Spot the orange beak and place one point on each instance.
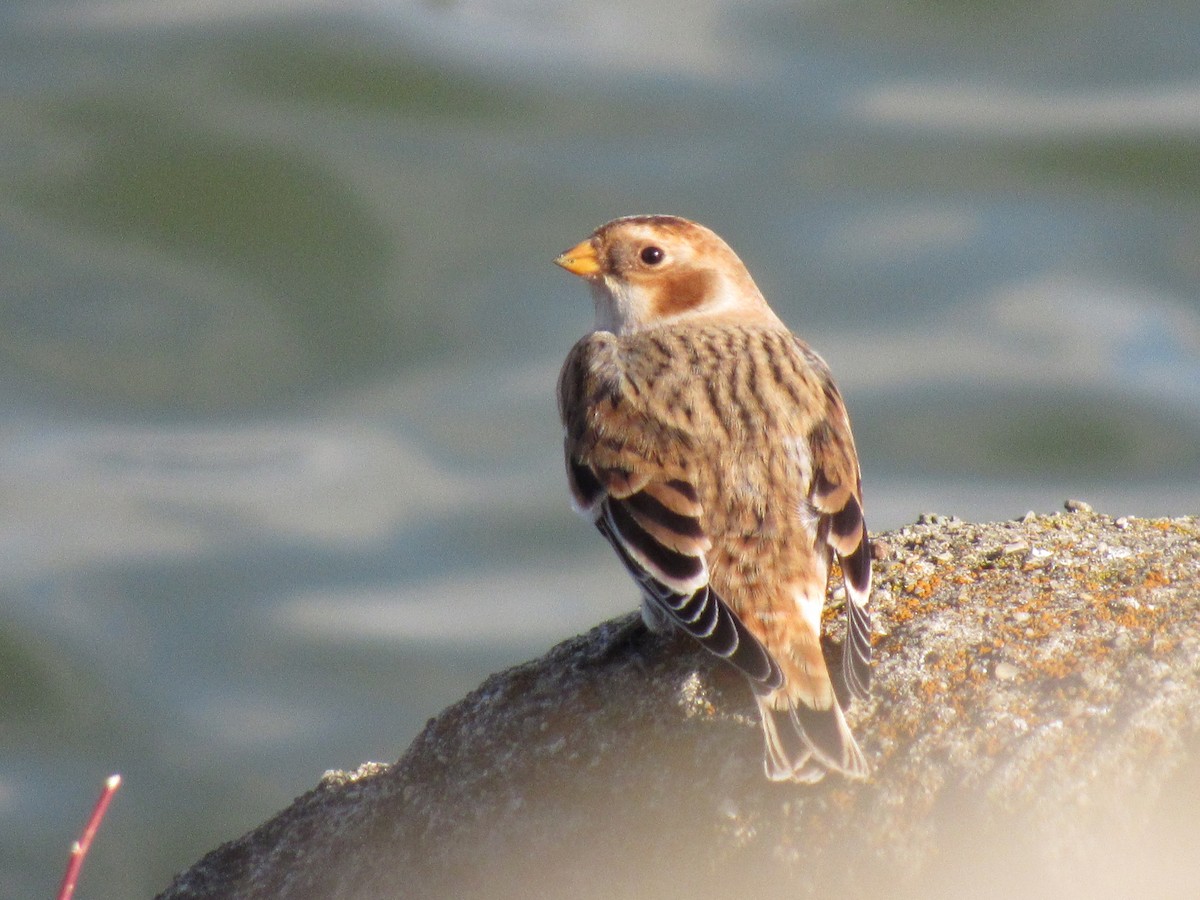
(580, 260)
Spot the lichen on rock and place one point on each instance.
(1032, 730)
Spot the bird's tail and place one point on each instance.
(803, 743)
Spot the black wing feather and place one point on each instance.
(701, 613)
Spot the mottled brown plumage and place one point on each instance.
(713, 450)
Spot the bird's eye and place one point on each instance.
(652, 256)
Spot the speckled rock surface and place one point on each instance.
(1033, 730)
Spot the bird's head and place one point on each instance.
(646, 271)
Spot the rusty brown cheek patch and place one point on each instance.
(679, 293)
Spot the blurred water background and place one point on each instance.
(280, 468)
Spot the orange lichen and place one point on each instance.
(925, 587)
(907, 607)
(1155, 579)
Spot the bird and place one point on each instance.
(712, 449)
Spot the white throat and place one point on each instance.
(615, 305)
(623, 309)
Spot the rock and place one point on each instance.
(1032, 732)
(1005, 671)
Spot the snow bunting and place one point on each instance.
(711, 448)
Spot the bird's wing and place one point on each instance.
(835, 495)
(650, 512)
(660, 547)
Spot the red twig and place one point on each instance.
(80, 848)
